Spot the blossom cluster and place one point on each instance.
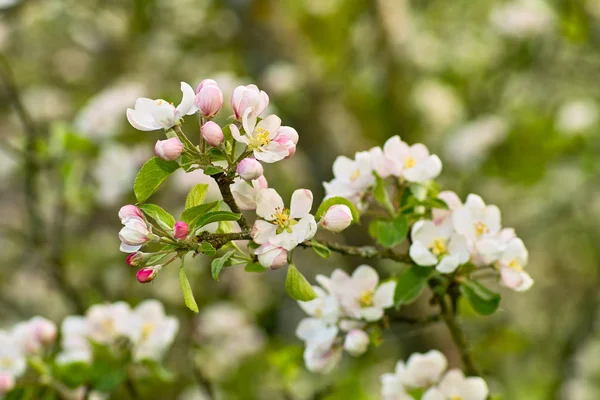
(344, 308)
(427, 373)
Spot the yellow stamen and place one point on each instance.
(147, 330)
(438, 247)
(261, 138)
(283, 220)
(516, 265)
(6, 363)
(355, 175)
(410, 162)
(366, 298)
(455, 398)
(481, 228)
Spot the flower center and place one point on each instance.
(147, 330)
(481, 228)
(6, 363)
(409, 162)
(283, 220)
(515, 265)
(455, 398)
(261, 138)
(438, 247)
(366, 298)
(355, 175)
(108, 325)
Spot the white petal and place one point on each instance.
(421, 255)
(424, 231)
(515, 250)
(235, 132)
(365, 278)
(262, 231)
(271, 124)
(301, 204)
(419, 151)
(141, 121)
(464, 223)
(458, 246)
(490, 249)
(187, 107)
(492, 219)
(125, 248)
(249, 121)
(527, 282)
(268, 202)
(343, 167)
(371, 314)
(448, 264)
(433, 394)
(384, 295)
(271, 153)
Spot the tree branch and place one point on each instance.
(224, 181)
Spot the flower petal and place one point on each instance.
(301, 203)
(268, 202)
(235, 132)
(187, 107)
(448, 264)
(421, 255)
(384, 295)
(262, 231)
(271, 124)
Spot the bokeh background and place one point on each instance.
(506, 92)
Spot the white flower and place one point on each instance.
(12, 360)
(320, 354)
(438, 245)
(74, 341)
(423, 370)
(33, 334)
(454, 385)
(150, 115)
(356, 342)
(352, 178)
(283, 227)
(511, 265)
(392, 384)
(360, 295)
(322, 360)
(261, 137)
(325, 306)
(523, 18)
(414, 163)
(244, 193)
(156, 330)
(577, 116)
(248, 97)
(106, 322)
(480, 224)
(134, 234)
(441, 216)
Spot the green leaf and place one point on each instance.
(186, 289)
(411, 284)
(255, 267)
(483, 300)
(196, 196)
(381, 194)
(207, 248)
(297, 286)
(389, 233)
(151, 176)
(218, 264)
(212, 170)
(192, 214)
(158, 371)
(438, 203)
(321, 250)
(163, 218)
(214, 216)
(337, 200)
(227, 133)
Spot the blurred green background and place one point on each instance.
(505, 93)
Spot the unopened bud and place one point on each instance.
(137, 259)
(180, 230)
(129, 211)
(249, 169)
(168, 149)
(270, 256)
(212, 133)
(209, 98)
(288, 137)
(43, 330)
(7, 382)
(356, 342)
(135, 232)
(337, 218)
(147, 274)
(249, 96)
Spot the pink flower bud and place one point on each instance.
(135, 232)
(288, 137)
(356, 342)
(270, 256)
(168, 149)
(7, 383)
(43, 330)
(138, 258)
(180, 230)
(337, 218)
(129, 211)
(249, 169)
(147, 274)
(212, 133)
(249, 96)
(209, 98)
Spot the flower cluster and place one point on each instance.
(426, 373)
(344, 308)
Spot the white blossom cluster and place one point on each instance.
(427, 372)
(149, 330)
(344, 306)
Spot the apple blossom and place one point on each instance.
(212, 133)
(352, 178)
(7, 382)
(337, 218)
(32, 335)
(150, 115)
(454, 385)
(248, 97)
(423, 370)
(288, 137)
(156, 330)
(270, 256)
(322, 360)
(180, 230)
(392, 384)
(209, 98)
(281, 226)
(320, 354)
(511, 264)
(245, 193)
(169, 149)
(74, 341)
(107, 322)
(249, 169)
(261, 137)
(325, 307)
(138, 258)
(129, 211)
(413, 163)
(146, 274)
(438, 245)
(453, 202)
(356, 342)
(12, 360)
(134, 234)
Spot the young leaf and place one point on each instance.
(151, 176)
(212, 170)
(218, 264)
(207, 248)
(186, 289)
(337, 200)
(214, 216)
(389, 233)
(411, 284)
(381, 195)
(297, 286)
(483, 300)
(321, 250)
(196, 196)
(254, 267)
(163, 218)
(192, 214)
